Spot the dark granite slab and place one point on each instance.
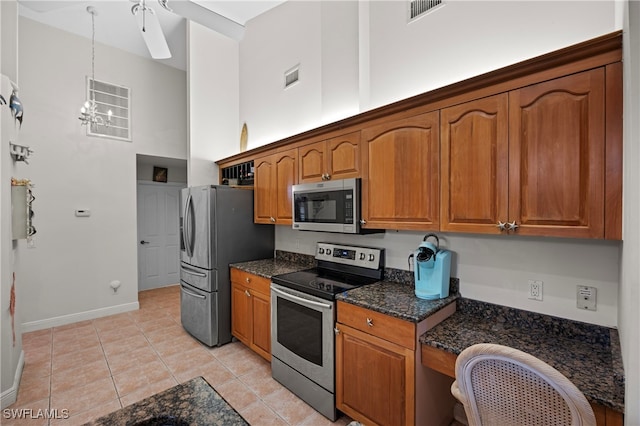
(395, 299)
(589, 355)
(193, 403)
(283, 263)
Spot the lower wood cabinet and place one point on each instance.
(251, 311)
(379, 378)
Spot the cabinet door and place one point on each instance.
(374, 379)
(261, 313)
(263, 188)
(240, 313)
(401, 174)
(343, 156)
(286, 172)
(312, 162)
(475, 155)
(556, 157)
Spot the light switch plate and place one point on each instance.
(586, 298)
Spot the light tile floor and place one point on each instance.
(92, 368)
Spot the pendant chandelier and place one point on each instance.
(89, 114)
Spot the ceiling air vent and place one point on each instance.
(418, 8)
(117, 99)
(292, 76)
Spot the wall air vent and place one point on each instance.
(291, 76)
(117, 99)
(418, 8)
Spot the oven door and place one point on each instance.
(302, 334)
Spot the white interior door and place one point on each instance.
(158, 235)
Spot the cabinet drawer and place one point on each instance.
(375, 323)
(253, 282)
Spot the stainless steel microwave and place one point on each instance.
(329, 206)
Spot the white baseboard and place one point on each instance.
(80, 316)
(10, 396)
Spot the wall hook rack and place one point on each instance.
(20, 152)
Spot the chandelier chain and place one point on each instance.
(89, 114)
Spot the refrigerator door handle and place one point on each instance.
(189, 271)
(187, 228)
(199, 296)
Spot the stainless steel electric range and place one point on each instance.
(303, 315)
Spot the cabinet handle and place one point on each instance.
(336, 330)
(363, 222)
(247, 293)
(328, 176)
(248, 279)
(512, 226)
(369, 322)
(272, 219)
(324, 176)
(501, 225)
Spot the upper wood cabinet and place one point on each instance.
(557, 156)
(400, 176)
(534, 149)
(475, 155)
(274, 175)
(531, 161)
(336, 158)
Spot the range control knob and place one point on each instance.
(362, 256)
(328, 251)
(321, 250)
(371, 257)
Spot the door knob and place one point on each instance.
(144, 242)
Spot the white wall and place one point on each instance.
(629, 319)
(67, 275)
(214, 129)
(274, 42)
(496, 269)
(11, 355)
(466, 38)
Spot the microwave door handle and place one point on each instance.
(300, 299)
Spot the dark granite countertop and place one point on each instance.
(193, 403)
(396, 300)
(589, 355)
(283, 263)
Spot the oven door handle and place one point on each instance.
(301, 299)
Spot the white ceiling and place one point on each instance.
(116, 26)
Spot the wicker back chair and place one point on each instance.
(499, 386)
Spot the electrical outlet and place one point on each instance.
(535, 290)
(586, 298)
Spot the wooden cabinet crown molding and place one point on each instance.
(599, 51)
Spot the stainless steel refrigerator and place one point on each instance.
(216, 224)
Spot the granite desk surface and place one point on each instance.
(193, 403)
(587, 354)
